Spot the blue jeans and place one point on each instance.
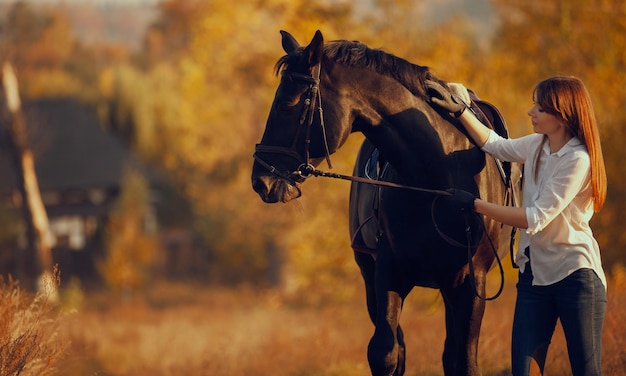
(579, 301)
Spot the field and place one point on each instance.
(193, 330)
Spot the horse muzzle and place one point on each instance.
(272, 184)
(273, 189)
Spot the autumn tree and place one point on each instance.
(34, 263)
(39, 44)
(132, 251)
(170, 35)
(38, 39)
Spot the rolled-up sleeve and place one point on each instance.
(510, 149)
(534, 222)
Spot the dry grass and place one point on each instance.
(186, 330)
(29, 338)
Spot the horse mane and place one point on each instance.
(359, 55)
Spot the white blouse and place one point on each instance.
(559, 206)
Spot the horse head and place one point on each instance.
(296, 138)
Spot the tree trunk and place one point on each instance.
(34, 266)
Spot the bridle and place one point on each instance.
(305, 168)
(311, 103)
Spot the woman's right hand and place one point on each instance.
(443, 98)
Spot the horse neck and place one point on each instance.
(412, 146)
(407, 131)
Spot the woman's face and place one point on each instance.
(543, 122)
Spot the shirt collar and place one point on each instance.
(572, 144)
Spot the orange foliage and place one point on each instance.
(131, 248)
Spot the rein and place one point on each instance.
(306, 170)
(468, 235)
(311, 171)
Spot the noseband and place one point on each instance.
(314, 98)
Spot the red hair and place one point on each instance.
(567, 98)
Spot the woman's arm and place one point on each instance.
(508, 215)
(477, 130)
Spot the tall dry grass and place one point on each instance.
(30, 341)
(191, 330)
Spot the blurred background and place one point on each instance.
(142, 116)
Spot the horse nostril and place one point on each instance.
(265, 187)
(259, 186)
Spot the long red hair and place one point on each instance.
(567, 98)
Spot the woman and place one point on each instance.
(561, 275)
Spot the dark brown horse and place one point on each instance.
(401, 237)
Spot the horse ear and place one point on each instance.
(290, 43)
(315, 49)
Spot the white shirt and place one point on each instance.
(559, 206)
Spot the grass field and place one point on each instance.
(192, 330)
(179, 329)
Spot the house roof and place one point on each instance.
(71, 149)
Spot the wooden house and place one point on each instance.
(80, 168)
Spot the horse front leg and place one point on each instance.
(401, 367)
(386, 352)
(464, 313)
(367, 265)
